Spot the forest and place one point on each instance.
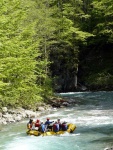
(53, 46)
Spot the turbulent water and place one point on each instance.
(92, 114)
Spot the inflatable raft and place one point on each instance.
(71, 128)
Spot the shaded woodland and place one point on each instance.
(52, 46)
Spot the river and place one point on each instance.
(92, 114)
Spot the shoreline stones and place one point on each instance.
(18, 114)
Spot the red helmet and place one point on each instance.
(48, 119)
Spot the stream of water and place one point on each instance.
(92, 114)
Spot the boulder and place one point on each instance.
(4, 109)
(18, 118)
(40, 108)
(0, 115)
(30, 114)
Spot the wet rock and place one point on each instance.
(65, 104)
(40, 109)
(23, 114)
(3, 121)
(4, 109)
(7, 115)
(56, 105)
(9, 120)
(109, 148)
(30, 113)
(0, 115)
(18, 118)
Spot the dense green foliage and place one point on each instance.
(48, 46)
(97, 64)
(21, 61)
(68, 35)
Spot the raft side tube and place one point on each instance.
(71, 128)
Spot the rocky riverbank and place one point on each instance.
(18, 114)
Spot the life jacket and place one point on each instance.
(29, 126)
(64, 127)
(56, 127)
(37, 124)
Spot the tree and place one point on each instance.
(98, 51)
(68, 37)
(19, 50)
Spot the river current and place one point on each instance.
(92, 114)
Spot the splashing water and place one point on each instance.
(92, 114)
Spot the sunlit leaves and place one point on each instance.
(18, 55)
